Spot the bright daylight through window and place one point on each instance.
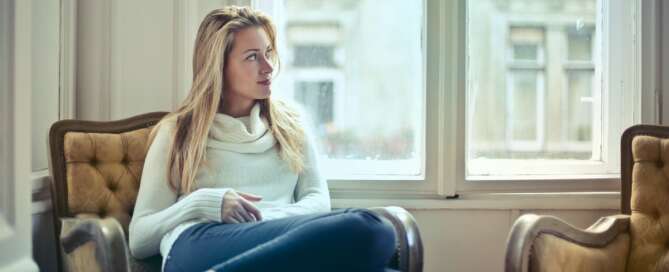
(534, 94)
(358, 71)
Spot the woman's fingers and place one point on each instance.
(238, 216)
(250, 208)
(250, 197)
(231, 220)
(237, 207)
(245, 215)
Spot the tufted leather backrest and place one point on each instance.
(103, 172)
(96, 166)
(645, 192)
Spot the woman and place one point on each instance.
(230, 180)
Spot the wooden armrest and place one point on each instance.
(93, 244)
(410, 246)
(528, 227)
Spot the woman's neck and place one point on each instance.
(236, 108)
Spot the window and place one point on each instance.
(318, 97)
(549, 120)
(484, 96)
(525, 110)
(525, 91)
(361, 84)
(314, 56)
(580, 71)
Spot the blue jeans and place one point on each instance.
(343, 240)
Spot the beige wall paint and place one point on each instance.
(126, 58)
(475, 240)
(134, 56)
(16, 42)
(45, 95)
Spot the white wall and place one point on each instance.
(126, 58)
(15, 85)
(45, 62)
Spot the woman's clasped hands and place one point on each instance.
(238, 207)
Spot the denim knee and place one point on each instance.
(376, 236)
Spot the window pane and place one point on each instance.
(580, 106)
(580, 44)
(361, 84)
(530, 75)
(525, 52)
(317, 97)
(522, 106)
(314, 56)
(527, 42)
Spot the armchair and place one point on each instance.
(635, 240)
(96, 169)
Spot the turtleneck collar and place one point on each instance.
(246, 134)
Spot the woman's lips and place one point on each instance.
(266, 82)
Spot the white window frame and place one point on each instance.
(445, 100)
(617, 86)
(491, 169)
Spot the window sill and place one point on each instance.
(496, 201)
(544, 178)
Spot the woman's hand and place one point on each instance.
(237, 207)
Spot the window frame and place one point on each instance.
(606, 175)
(444, 166)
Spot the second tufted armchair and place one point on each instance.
(636, 240)
(96, 169)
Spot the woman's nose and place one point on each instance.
(266, 66)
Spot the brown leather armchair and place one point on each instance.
(96, 169)
(636, 240)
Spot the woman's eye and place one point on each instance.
(251, 57)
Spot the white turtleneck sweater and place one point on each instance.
(242, 155)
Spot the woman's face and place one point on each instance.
(248, 70)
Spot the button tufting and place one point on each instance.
(656, 214)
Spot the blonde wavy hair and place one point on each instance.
(195, 115)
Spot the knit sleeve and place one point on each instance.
(311, 192)
(157, 210)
